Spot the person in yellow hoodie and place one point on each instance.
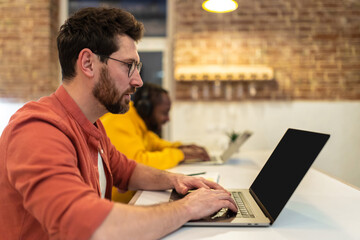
(137, 133)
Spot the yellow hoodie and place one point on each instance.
(129, 134)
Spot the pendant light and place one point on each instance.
(220, 6)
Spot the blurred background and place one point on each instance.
(267, 66)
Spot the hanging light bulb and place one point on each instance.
(220, 6)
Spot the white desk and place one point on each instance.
(320, 208)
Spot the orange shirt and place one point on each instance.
(49, 181)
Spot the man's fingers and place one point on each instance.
(203, 184)
(221, 199)
(182, 189)
(207, 184)
(226, 200)
(214, 185)
(231, 204)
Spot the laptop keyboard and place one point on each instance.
(244, 210)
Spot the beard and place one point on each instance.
(107, 94)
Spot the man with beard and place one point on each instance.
(57, 166)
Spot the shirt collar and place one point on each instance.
(73, 109)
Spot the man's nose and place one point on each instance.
(136, 80)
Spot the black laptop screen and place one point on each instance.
(285, 168)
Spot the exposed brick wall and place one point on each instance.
(313, 45)
(28, 56)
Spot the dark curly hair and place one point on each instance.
(96, 29)
(150, 94)
(145, 100)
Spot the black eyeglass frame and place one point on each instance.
(131, 66)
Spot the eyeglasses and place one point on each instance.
(131, 66)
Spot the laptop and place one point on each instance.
(227, 154)
(262, 203)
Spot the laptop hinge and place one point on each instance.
(262, 207)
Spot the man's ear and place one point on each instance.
(85, 62)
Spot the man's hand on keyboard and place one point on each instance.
(204, 202)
